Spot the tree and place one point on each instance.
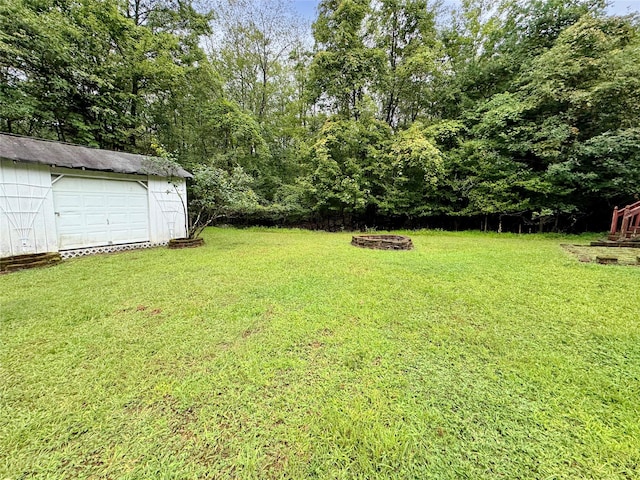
(412, 169)
(344, 168)
(344, 66)
(562, 101)
(397, 112)
(607, 167)
(405, 30)
(254, 42)
(217, 193)
(86, 73)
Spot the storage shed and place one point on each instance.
(58, 197)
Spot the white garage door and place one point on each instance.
(92, 212)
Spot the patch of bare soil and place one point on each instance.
(589, 254)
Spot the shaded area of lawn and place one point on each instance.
(275, 353)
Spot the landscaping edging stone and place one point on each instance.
(29, 260)
(607, 260)
(382, 242)
(633, 243)
(186, 242)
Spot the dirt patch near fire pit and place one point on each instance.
(588, 254)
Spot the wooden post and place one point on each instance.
(614, 222)
(625, 223)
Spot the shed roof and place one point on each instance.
(48, 152)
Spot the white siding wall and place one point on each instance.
(27, 222)
(166, 209)
(27, 215)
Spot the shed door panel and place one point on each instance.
(92, 212)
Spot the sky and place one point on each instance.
(307, 8)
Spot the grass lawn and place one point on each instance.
(291, 354)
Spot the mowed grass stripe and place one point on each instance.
(291, 354)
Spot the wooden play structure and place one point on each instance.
(625, 224)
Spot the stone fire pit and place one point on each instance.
(382, 242)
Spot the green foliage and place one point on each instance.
(84, 72)
(401, 110)
(562, 110)
(235, 133)
(254, 42)
(610, 165)
(411, 174)
(405, 30)
(216, 193)
(344, 166)
(488, 182)
(344, 66)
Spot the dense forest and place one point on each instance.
(510, 115)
